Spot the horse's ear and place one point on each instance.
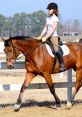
(5, 38)
(80, 40)
(6, 43)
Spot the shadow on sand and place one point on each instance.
(33, 103)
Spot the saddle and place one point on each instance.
(51, 46)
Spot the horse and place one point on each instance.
(38, 61)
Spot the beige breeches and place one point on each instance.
(54, 41)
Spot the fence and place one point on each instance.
(20, 65)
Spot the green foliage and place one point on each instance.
(22, 24)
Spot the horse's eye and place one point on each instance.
(10, 50)
(5, 50)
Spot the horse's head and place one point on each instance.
(11, 53)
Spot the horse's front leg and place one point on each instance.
(28, 79)
(51, 87)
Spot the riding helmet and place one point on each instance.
(52, 6)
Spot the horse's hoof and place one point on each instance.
(69, 105)
(17, 107)
(55, 107)
(58, 105)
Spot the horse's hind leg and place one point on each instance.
(78, 82)
(51, 87)
(77, 86)
(28, 79)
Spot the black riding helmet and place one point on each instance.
(52, 6)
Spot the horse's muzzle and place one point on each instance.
(10, 65)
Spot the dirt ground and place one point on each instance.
(37, 102)
(43, 111)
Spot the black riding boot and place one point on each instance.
(60, 59)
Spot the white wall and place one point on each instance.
(1, 47)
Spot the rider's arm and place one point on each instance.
(44, 30)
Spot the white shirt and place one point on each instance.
(49, 22)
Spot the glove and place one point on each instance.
(44, 39)
(40, 37)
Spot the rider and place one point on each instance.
(50, 31)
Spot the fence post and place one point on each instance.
(69, 89)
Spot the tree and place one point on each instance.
(38, 21)
(2, 21)
(32, 24)
(76, 26)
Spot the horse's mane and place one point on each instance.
(20, 37)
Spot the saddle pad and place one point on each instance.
(64, 48)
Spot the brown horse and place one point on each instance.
(39, 62)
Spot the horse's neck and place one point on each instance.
(27, 45)
(32, 44)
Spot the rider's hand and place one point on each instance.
(39, 37)
(44, 39)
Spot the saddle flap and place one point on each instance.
(63, 49)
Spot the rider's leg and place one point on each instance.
(61, 61)
(54, 41)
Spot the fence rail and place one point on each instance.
(17, 65)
